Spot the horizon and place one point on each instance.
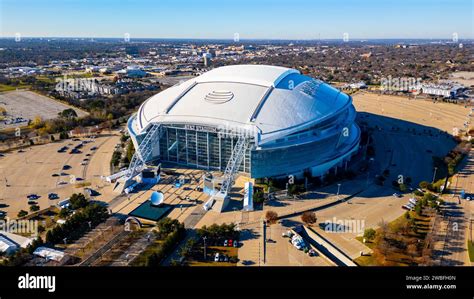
(355, 39)
(210, 19)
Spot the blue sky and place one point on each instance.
(276, 19)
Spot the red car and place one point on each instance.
(229, 243)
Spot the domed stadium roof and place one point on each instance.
(269, 99)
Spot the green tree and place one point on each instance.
(64, 213)
(34, 208)
(68, 113)
(424, 184)
(418, 209)
(369, 233)
(130, 151)
(258, 196)
(22, 213)
(78, 201)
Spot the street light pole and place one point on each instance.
(204, 239)
(368, 171)
(434, 174)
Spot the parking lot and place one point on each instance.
(22, 106)
(42, 169)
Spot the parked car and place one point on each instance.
(397, 195)
(311, 252)
(32, 196)
(53, 196)
(66, 167)
(225, 243)
(229, 243)
(55, 175)
(236, 244)
(216, 257)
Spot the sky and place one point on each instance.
(221, 19)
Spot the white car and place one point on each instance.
(216, 257)
(397, 195)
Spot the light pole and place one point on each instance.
(434, 174)
(204, 240)
(368, 171)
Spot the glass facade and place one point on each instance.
(198, 147)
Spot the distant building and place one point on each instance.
(132, 72)
(207, 59)
(448, 91)
(358, 85)
(10, 243)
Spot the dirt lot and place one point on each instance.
(28, 105)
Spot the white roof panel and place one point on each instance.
(267, 97)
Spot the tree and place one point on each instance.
(152, 260)
(309, 217)
(34, 208)
(37, 122)
(22, 213)
(77, 201)
(258, 196)
(402, 187)
(369, 233)
(418, 209)
(407, 215)
(424, 184)
(130, 151)
(63, 213)
(271, 217)
(41, 229)
(167, 225)
(68, 113)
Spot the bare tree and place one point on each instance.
(271, 217)
(309, 218)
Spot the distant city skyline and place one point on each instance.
(210, 19)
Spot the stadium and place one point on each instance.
(265, 121)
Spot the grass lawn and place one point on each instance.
(140, 260)
(4, 87)
(211, 251)
(399, 259)
(366, 260)
(470, 249)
